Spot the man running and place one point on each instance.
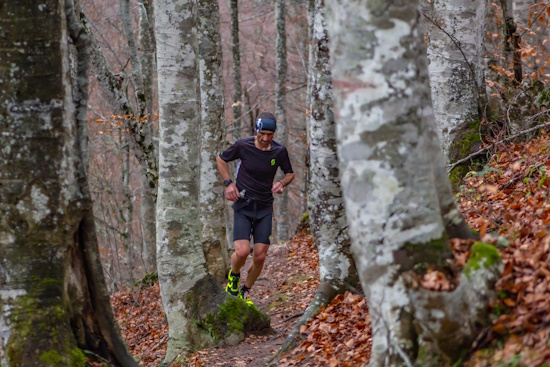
(252, 194)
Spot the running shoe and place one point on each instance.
(245, 295)
(233, 283)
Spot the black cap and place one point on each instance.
(266, 124)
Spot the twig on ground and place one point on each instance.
(450, 167)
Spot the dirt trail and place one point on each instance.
(283, 290)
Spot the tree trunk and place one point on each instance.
(325, 203)
(147, 202)
(211, 197)
(236, 52)
(51, 276)
(126, 212)
(384, 129)
(191, 296)
(455, 50)
(137, 75)
(282, 220)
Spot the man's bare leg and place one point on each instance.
(238, 259)
(258, 258)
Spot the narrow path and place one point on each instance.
(283, 291)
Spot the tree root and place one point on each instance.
(325, 293)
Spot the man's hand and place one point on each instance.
(277, 188)
(231, 192)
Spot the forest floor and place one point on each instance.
(509, 196)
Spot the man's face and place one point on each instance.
(265, 137)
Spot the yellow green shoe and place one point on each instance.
(245, 295)
(233, 283)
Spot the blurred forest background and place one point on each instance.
(115, 177)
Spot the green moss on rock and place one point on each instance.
(481, 254)
(235, 317)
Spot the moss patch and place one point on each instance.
(465, 144)
(481, 254)
(456, 176)
(148, 279)
(41, 334)
(235, 316)
(420, 256)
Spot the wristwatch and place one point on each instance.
(227, 182)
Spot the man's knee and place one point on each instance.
(259, 258)
(260, 253)
(242, 250)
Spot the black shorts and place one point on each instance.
(251, 219)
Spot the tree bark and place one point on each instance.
(385, 128)
(211, 196)
(148, 67)
(456, 53)
(282, 220)
(325, 202)
(237, 83)
(52, 280)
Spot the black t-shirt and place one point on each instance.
(257, 168)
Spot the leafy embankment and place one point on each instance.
(143, 324)
(509, 197)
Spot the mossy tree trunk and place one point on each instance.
(54, 299)
(385, 128)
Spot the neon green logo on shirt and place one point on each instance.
(273, 162)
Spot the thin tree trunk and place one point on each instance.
(282, 220)
(211, 196)
(147, 202)
(236, 52)
(140, 137)
(137, 74)
(456, 53)
(127, 211)
(325, 203)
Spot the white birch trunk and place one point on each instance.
(455, 49)
(384, 128)
(211, 197)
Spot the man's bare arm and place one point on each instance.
(287, 179)
(231, 191)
